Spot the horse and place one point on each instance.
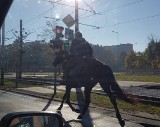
(87, 72)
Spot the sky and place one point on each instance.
(102, 22)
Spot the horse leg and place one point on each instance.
(70, 105)
(65, 97)
(87, 93)
(113, 101)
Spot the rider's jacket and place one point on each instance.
(80, 47)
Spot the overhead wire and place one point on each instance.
(98, 27)
(96, 1)
(38, 16)
(125, 5)
(89, 6)
(134, 20)
(86, 4)
(74, 7)
(29, 20)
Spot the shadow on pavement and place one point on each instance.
(86, 121)
(72, 123)
(8, 90)
(49, 102)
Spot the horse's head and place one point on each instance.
(61, 57)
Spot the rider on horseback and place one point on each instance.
(80, 50)
(80, 47)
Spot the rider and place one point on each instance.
(80, 47)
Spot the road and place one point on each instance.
(12, 102)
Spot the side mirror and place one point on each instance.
(32, 119)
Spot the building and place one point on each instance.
(118, 49)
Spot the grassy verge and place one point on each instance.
(104, 102)
(142, 78)
(11, 84)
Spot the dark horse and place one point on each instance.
(87, 72)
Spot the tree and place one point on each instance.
(12, 55)
(141, 62)
(49, 31)
(153, 53)
(130, 61)
(121, 61)
(37, 56)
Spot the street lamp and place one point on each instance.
(117, 47)
(76, 17)
(57, 17)
(117, 36)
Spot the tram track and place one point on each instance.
(148, 100)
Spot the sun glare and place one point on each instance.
(57, 16)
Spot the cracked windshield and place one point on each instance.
(94, 62)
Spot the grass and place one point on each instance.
(141, 78)
(104, 102)
(11, 84)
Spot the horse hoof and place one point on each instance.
(122, 123)
(80, 117)
(77, 111)
(59, 109)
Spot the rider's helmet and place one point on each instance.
(78, 34)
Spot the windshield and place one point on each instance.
(48, 47)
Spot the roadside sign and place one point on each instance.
(69, 21)
(68, 33)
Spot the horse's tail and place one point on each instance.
(113, 85)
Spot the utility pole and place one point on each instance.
(20, 52)
(76, 17)
(0, 39)
(1, 57)
(2, 53)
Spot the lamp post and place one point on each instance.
(117, 48)
(76, 17)
(117, 36)
(117, 39)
